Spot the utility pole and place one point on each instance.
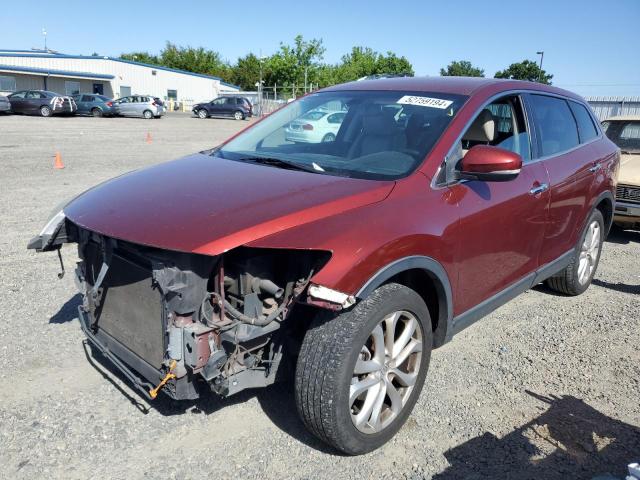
(541, 53)
(44, 34)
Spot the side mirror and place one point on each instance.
(490, 164)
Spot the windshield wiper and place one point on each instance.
(278, 162)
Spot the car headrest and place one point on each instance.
(483, 128)
(379, 124)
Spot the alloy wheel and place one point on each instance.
(238, 116)
(589, 252)
(202, 113)
(385, 372)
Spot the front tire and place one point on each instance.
(360, 374)
(577, 276)
(202, 113)
(45, 111)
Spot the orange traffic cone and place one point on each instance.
(58, 162)
(148, 139)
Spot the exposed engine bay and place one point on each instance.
(180, 322)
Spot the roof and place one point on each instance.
(622, 118)
(46, 54)
(49, 71)
(455, 85)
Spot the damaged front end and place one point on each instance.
(182, 321)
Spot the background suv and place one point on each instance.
(139, 106)
(236, 107)
(41, 102)
(349, 260)
(624, 131)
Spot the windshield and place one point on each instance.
(362, 134)
(625, 134)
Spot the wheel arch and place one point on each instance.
(605, 203)
(429, 279)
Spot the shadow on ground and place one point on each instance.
(623, 237)
(69, 311)
(277, 401)
(571, 440)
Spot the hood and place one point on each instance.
(629, 173)
(208, 205)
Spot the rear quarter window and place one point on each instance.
(555, 125)
(586, 128)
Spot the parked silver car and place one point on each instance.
(5, 105)
(144, 106)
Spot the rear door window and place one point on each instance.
(87, 98)
(586, 128)
(556, 128)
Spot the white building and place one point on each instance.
(113, 77)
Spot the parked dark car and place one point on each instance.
(41, 102)
(349, 260)
(5, 105)
(235, 107)
(94, 104)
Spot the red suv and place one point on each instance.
(438, 200)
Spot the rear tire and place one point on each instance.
(350, 393)
(45, 111)
(148, 114)
(577, 276)
(329, 137)
(238, 115)
(202, 113)
(96, 112)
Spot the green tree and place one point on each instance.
(394, 65)
(197, 60)
(144, 57)
(364, 61)
(461, 68)
(287, 67)
(525, 70)
(246, 72)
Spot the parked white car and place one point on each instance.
(315, 126)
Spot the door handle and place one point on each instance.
(543, 187)
(595, 168)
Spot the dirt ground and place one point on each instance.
(546, 387)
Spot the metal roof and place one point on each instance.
(43, 54)
(49, 71)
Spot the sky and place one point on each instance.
(591, 47)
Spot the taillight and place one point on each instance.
(109, 104)
(307, 126)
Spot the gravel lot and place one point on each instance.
(546, 387)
